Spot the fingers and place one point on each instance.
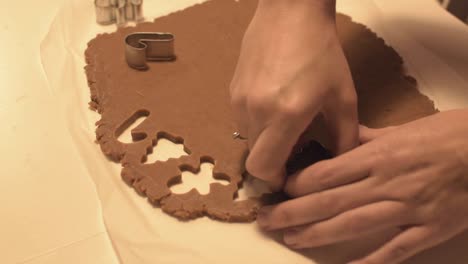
(403, 246)
(242, 127)
(317, 206)
(255, 127)
(345, 169)
(350, 225)
(271, 150)
(239, 109)
(368, 134)
(342, 122)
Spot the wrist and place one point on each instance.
(317, 8)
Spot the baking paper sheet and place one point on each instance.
(432, 43)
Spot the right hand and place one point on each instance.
(291, 68)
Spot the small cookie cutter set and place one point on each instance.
(140, 46)
(118, 11)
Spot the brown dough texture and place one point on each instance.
(187, 101)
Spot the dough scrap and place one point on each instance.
(187, 101)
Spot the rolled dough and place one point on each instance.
(187, 102)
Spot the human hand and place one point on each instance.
(291, 67)
(413, 177)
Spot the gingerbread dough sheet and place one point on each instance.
(187, 101)
(143, 234)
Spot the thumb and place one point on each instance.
(270, 152)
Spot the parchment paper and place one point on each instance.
(430, 41)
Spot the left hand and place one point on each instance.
(414, 177)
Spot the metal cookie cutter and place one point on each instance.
(134, 10)
(151, 46)
(118, 11)
(104, 12)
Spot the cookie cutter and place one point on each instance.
(134, 10)
(104, 12)
(118, 11)
(148, 46)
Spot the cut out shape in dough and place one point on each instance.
(164, 149)
(189, 99)
(124, 132)
(200, 180)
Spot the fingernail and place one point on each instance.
(262, 216)
(290, 236)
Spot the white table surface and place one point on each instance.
(62, 202)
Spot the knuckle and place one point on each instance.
(326, 171)
(383, 153)
(258, 103)
(271, 102)
(237, 99)
(324, 182)
(349, 100)
(345, 96)
(399, 251)
(328, 167)
(413, 194)
(418, 195)
(291, 109)
(323, 174)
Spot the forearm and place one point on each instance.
(320, 9)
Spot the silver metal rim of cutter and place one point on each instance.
(141, 47)
(118, 11)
